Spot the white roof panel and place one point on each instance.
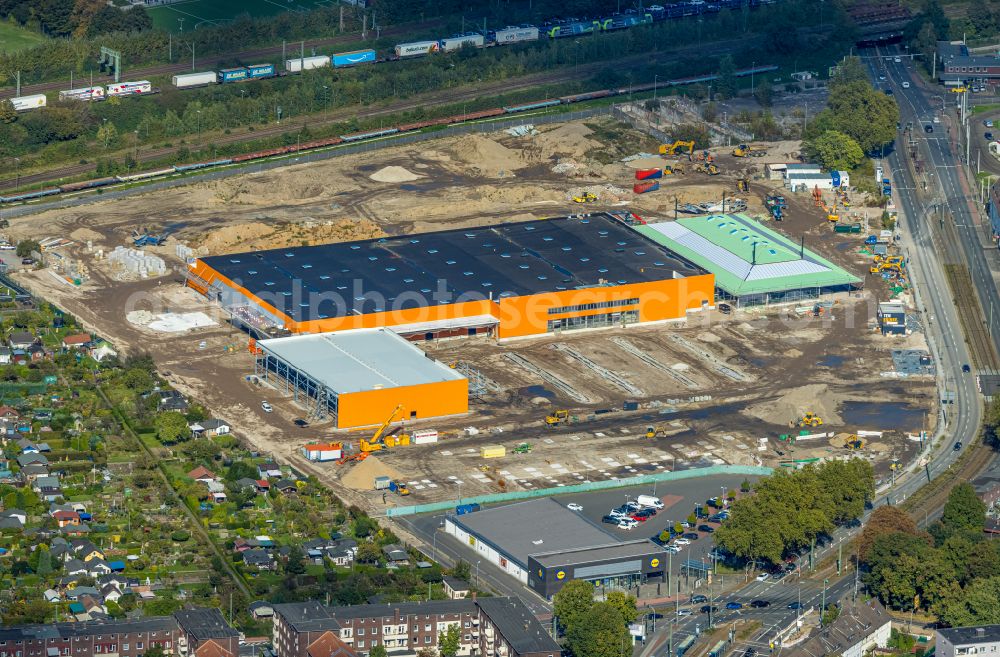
(359, 360)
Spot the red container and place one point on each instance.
(643, 187)
(644, 174)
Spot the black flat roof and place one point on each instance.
(413, 271)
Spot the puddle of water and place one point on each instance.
(409, 187)
(843, 246)
(882, 415)
(831, 360)
(538, 391)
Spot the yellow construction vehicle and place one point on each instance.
(673, 169)
(707, 168)
(657, 431)
(401, 488)
(833, 217)
(810, 419)
(556, 417)
(854, 442)
(743, 185)
(890, 260)
(880, 267)
(586, 197)
(380, 440)
(670, 150)
(743, 150)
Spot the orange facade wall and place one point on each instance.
(371, 407)
(658, 300)
(518, 316)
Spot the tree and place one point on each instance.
(624, 604)
(964, 509)
(26, 247)
(727, 84)
(368, 553)
(991, 423)
(154, 650)
(171, 427)
(884, 520)
(863, 113)
(599, 633)
(572, 603)
(108, 134)
(242, 469)
(44, 567)
(294, 565)
(462, 570)
(977, 604)
(764, 92)
(7, 112)
(378, 651)
(427, 652)
(449, 641)
(835, 151)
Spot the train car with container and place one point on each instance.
(188, 80)
(416, 49)
(83, 94)
(30, 102)
(512, 34)
(346, 59)
(130, 88)
(470, 39)
(300, 64)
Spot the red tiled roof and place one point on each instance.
(329, 645)
(77, 338)
(212, 648)
(201, 472)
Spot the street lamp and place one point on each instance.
(17, 173)
(198, 112)
(822, 607)
(654, 86)
(477, 572)
(753, 65)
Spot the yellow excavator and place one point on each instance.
(810, 419)
(656, 432)
(380, 440)
(556, 417)
(585, 197)
(854, 442)
(670, 150)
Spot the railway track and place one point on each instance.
(970, 312)
(925, 504)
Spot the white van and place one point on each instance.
(650, 501)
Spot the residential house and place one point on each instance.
(455, 588)
(78, 341)
(203, 474)
(102, 351)
(5, 353)
(98, 567)
(28, 459)
(261, 609)
(975, 640)
(11, 523)
(111, 593)
(19, 515)
(217, 491)
(269, 470)
(77, 592)
(286, 487)
(206, 633)
(9, 414)
(76, 531)
(341, 555)
(860, 628)
(51, 595)
(396, 554)
(328, 644)
(49, 489)
(32, 471)
(263, 486)
(21, 340)
(259, 559)
(27, 446)
(85, 550)
(246, 483)
(210, 428)
(64, 517)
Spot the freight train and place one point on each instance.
(372, 135)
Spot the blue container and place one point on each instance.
(255, 71)
(462, 509)
(233, 75)
(344, 59)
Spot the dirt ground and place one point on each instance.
(719, 389)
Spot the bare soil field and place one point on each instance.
(717, 389)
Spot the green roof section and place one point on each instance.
(745, 256)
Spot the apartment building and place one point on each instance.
(489, 627)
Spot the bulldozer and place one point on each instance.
(708, 168)
(810, 419)
(585, 197)
(670, 150)
(674, 169)
(556, 417)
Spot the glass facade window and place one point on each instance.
(593, 321)
(593, 306)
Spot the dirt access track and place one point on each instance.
(720, 389)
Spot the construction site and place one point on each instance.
(798, 374)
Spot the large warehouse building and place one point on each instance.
(544, 545)
(511, 280)
(361, 377)
(753, 265)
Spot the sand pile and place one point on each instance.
(362, 476)
(394, 174)
(815, 397)
(570, 139)
(259, 235)
(486, 155)
(140, 317)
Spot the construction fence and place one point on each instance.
(659, 477)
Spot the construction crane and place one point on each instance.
(380, 441)
(670, 150)
(810, 419)
(556, 417)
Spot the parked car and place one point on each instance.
(684, 612)
(760, 604)
(708, 608)
(988, 123)
(906, 85)
(734, 605)
(611, 520)
(627, 524)
(266, 406)
(300, 423)
(989, 136)
(695, 599)
(966, 368)
(681, 541)
(573, 506)
(763, 577)
(672, 549)
(928, 128)
(896, 59)
(691, 536)
(639, 517)
(645, 513)
(706, 528)
(778, 576)
(795, 605)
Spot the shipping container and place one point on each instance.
(84, 93)
(847, 228)
(129, 88)
(417, 48)
(648, 174)
(643, 187)
(424, 436)
(321, 452)
(232, 75)
(300, 64)
(258, 71)
(31, 102)
(492, 451)
(186, 80)
(462, 509)
(344, 59)
(382, 483)
(456, 42)
(515, 35)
